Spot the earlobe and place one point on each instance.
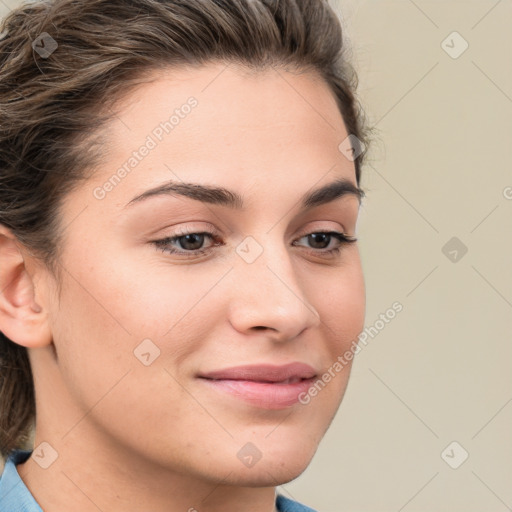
(22, 319)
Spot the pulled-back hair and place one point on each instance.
(64, 63)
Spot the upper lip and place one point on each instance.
(263, 372)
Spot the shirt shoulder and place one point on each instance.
(14, 494)
(284, 504)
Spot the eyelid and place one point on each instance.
(322, 228)
(192, 227)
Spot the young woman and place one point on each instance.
(179, 193)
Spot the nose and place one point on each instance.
(267, 295)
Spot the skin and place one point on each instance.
(132, 437)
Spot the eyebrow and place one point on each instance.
(229, 198)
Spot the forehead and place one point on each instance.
(222, 124)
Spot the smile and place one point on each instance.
(264, 386)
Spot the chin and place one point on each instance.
(280, 463)
(267, 473)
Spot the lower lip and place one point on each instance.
(266, 395)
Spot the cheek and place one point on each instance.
(109, 308)
(92, 344)
(342, 308)
(174, 306)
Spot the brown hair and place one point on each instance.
(56, 95)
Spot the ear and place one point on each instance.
(22, 319)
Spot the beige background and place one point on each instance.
(439, 168)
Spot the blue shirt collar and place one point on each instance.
(284, 504)
(15, 496)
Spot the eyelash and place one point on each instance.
(164, 243)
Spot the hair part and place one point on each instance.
(53, 108)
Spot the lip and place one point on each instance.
(266, 386)
(263, 372)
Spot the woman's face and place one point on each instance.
(141, 323)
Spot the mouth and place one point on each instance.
(263, 386)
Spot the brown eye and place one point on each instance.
(320, 241)
(191, 242)
(187, 244)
